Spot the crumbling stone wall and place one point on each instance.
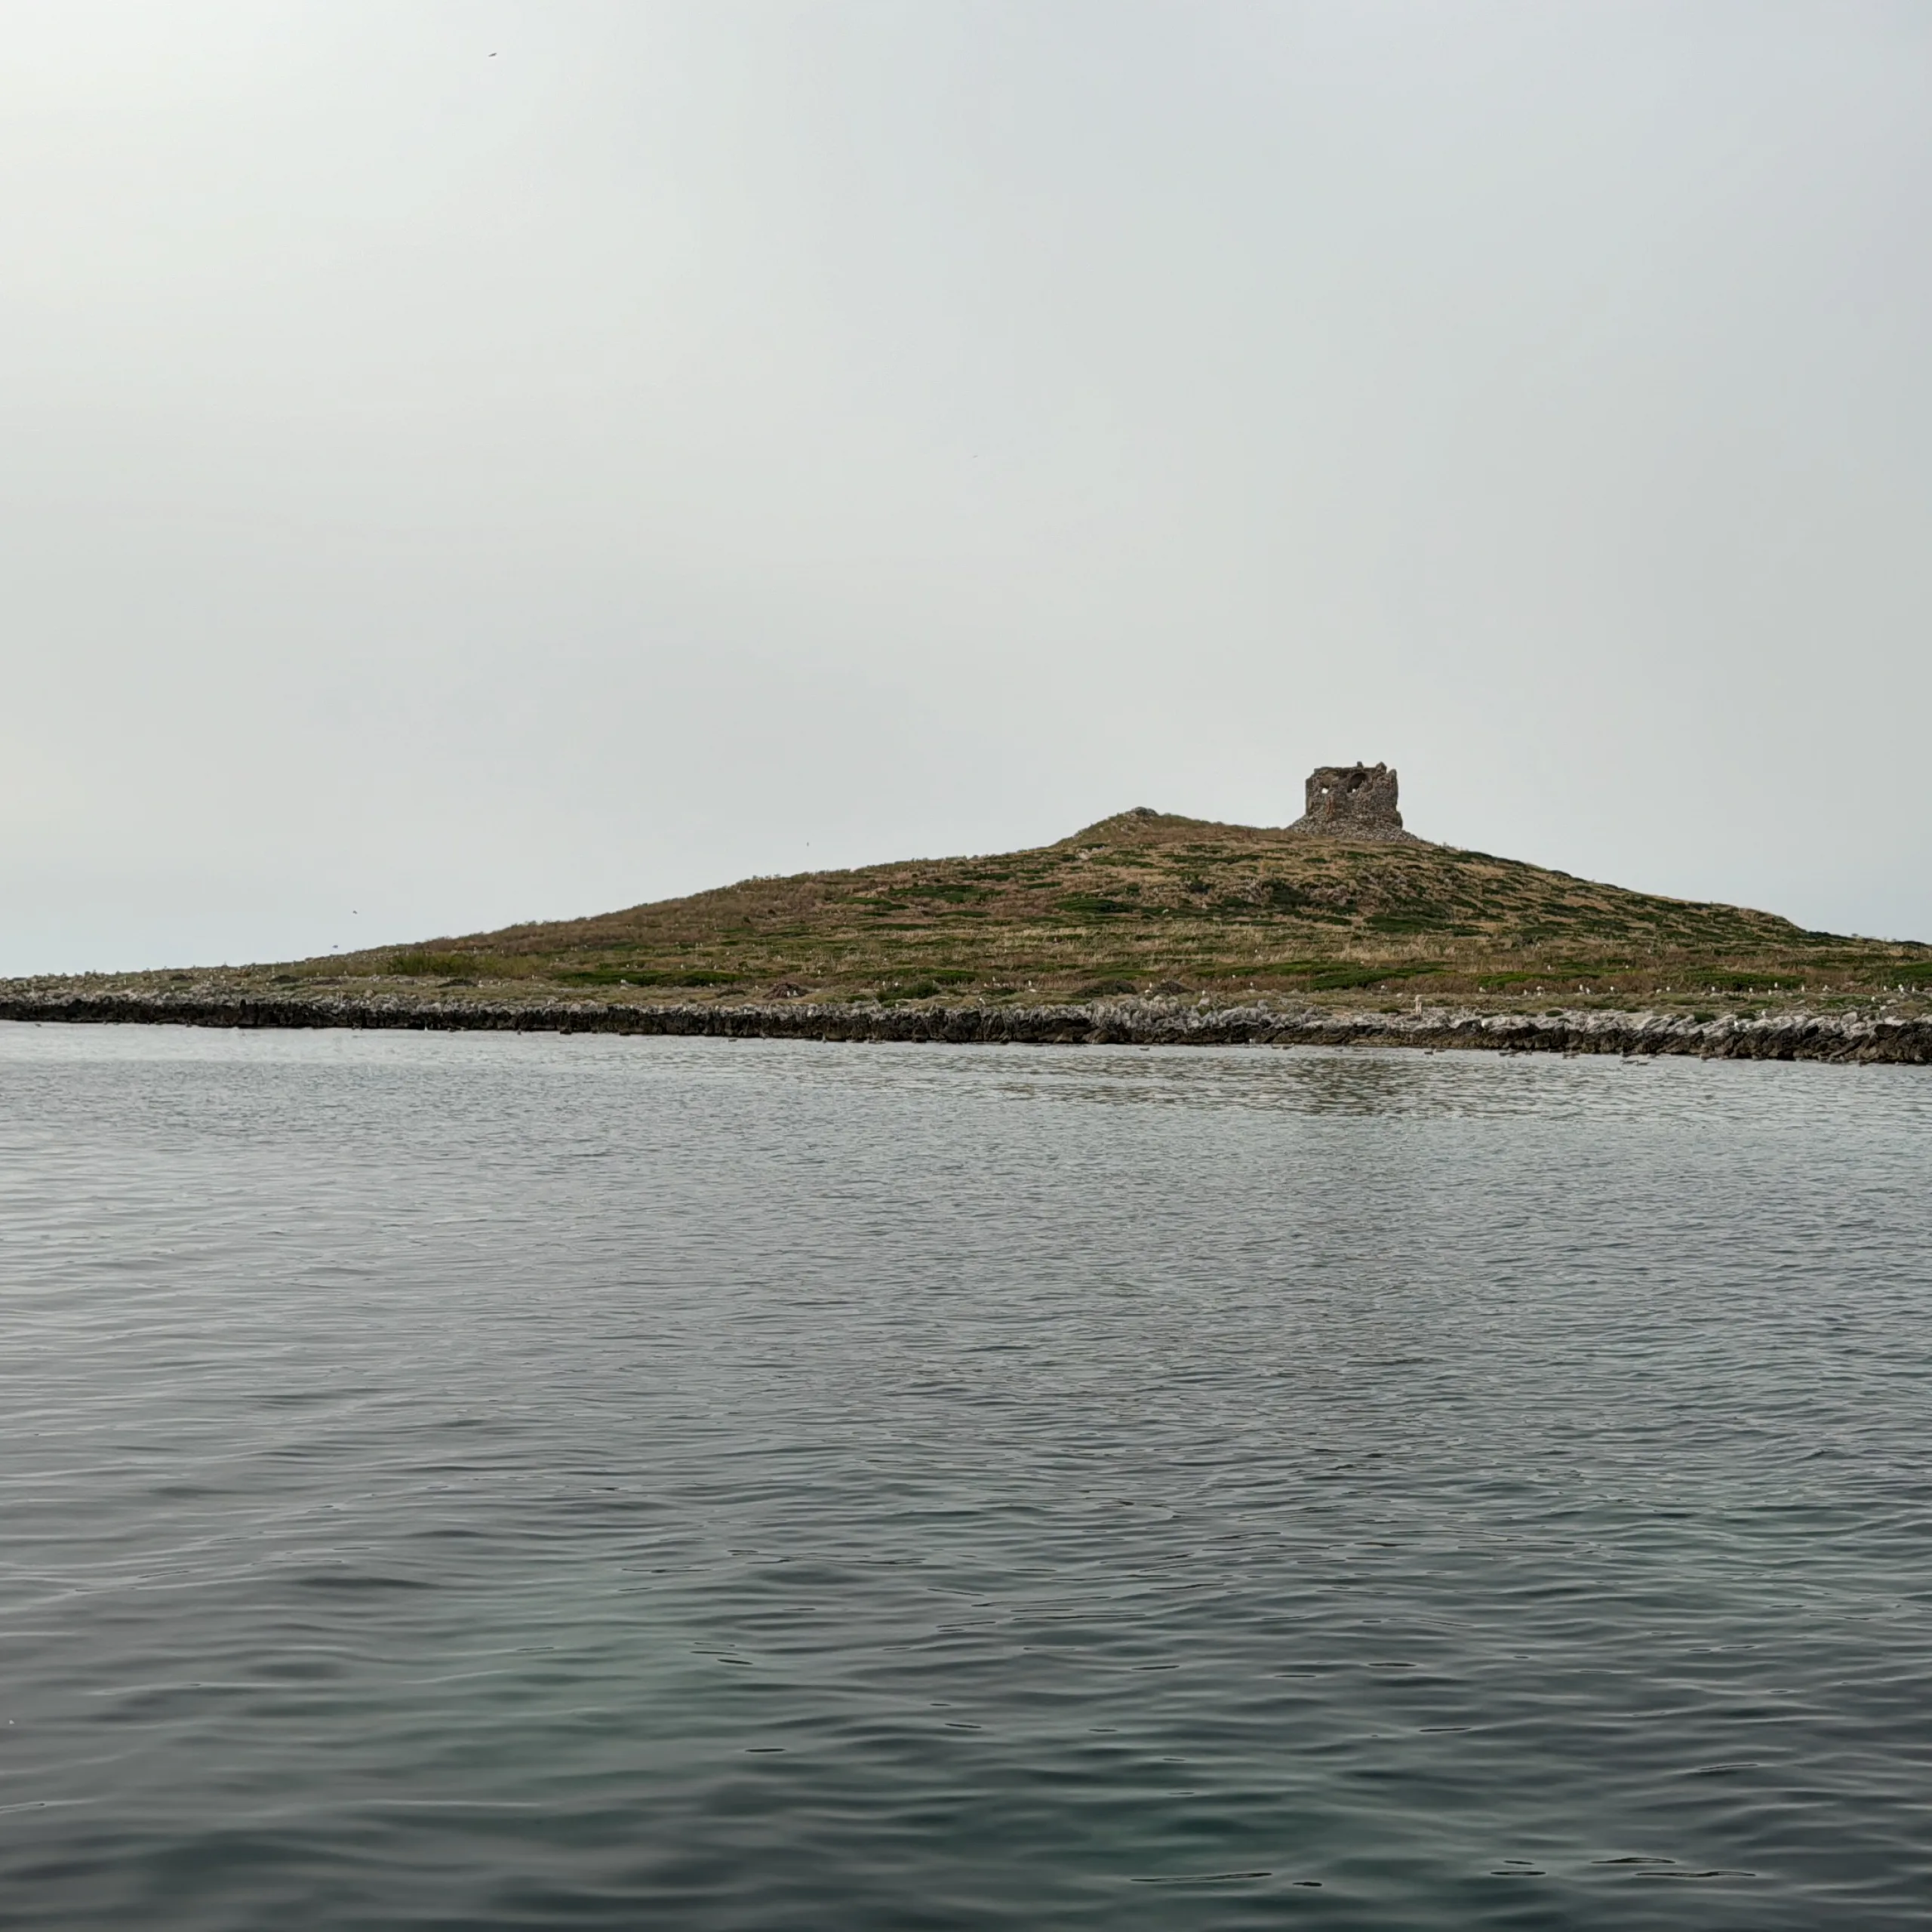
(1352, 802)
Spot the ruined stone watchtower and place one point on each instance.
(1352, 802)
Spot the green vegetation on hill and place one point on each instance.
(1150, 903)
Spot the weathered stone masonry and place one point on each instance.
(1352, 802)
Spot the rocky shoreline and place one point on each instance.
(1784, 1036)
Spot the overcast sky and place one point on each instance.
(476, 461)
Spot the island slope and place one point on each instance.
(1146, 910)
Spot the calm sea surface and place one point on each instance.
(472, 1482)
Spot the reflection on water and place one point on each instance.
(540, 1482)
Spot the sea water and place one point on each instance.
(483, 1482)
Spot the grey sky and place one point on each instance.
(475, 461)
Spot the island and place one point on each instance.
(1147, 927)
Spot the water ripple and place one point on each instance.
(466, 1482)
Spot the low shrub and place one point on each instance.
(433, 965)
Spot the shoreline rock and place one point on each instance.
(1784, 1036)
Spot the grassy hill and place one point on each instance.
(1150, 903)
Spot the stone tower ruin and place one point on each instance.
(1352, 802)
